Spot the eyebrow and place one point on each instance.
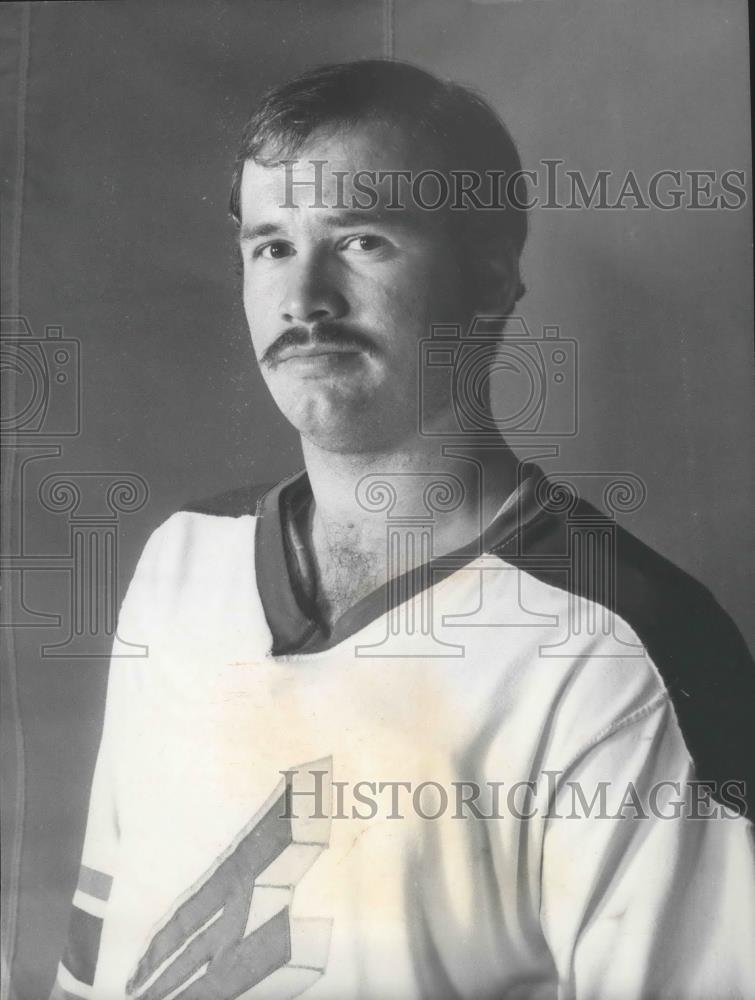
(358, 217)
(341, 220)
(255, 232)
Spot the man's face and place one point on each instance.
(337, 298)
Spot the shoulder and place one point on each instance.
(593, 557)
(198, 546)
(700, 657)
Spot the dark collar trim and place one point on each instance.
(289, 625)
(289, 612)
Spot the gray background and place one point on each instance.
(127, 132)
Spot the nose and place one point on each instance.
(311, 294)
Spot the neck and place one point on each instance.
(357, 496)
(356, 493)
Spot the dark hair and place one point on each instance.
(461, 126)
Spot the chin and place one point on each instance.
(350, 434)
(346, 437)
(341, 422)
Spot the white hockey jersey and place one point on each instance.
(502, 775)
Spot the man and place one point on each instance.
(368, 753)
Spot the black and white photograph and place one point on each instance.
(377, 500)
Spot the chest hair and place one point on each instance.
(347, 571)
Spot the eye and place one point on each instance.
(365, 243)
(274, 251)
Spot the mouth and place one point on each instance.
(308, 351)
(315, 360)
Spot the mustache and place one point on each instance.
(322, 335)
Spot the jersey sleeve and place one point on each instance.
(79, 969)
(648, 886)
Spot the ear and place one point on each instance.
(499, 283)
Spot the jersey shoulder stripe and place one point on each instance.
(700, 654)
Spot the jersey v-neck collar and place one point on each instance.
(285, 574)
